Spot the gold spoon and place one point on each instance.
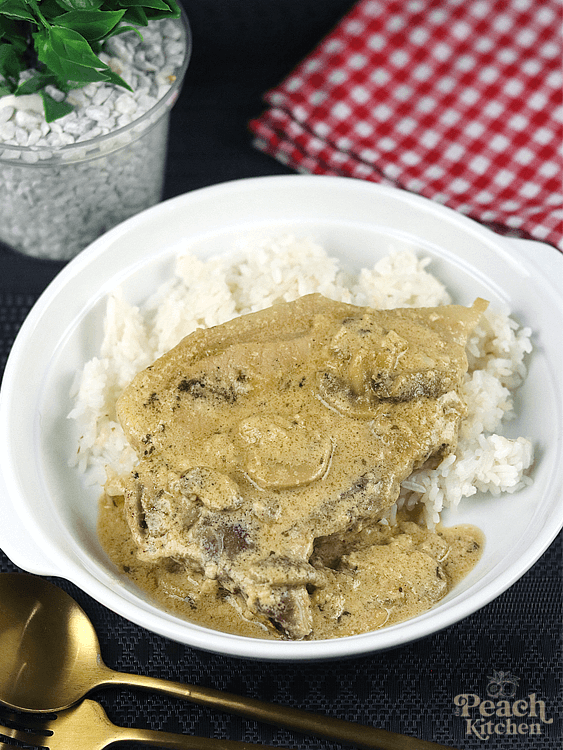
(50, 659)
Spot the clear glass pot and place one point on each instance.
(55, 201)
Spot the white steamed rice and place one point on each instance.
(207, 293)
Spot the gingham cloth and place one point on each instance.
(456, 100)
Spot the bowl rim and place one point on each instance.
(47, 558)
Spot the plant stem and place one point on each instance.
(38, 13)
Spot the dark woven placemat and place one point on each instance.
(502, 665)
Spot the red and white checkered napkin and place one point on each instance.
(456, 100)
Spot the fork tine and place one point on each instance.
(27, 721)
(21, 734)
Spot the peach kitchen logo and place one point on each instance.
(500, 712)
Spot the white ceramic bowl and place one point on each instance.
(48, 517)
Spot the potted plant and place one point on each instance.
(86, 87)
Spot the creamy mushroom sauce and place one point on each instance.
(271, 450)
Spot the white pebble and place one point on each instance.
(155, 49)
(30, 157)
(175, 61)
(7, 131)
(146, 102)
(93, 133)
(26, 119)
(6, 114)
(118, 48)
(77, 97)
(55, 93)
(78, 126)
(140, 58)
(107, 125)
(171, 30)
(174, 48)
(69, 117)
(150, 36)
(66, 139)
(118, 66)
(125, 104)
(32, 102)
(144, 85)
(34, 137)
(97, 113)
(21, 135)
(163, 90)
(101, 95)
(90, 90)
(54, 139)
(104, 57)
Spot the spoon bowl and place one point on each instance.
(50, 659)
(50, 651)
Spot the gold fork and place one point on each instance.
(86, 726)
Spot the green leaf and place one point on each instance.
(4, 90)
(70, 47)
(91, 24)
(35, 83)
(50, 10)
(112, 77)
(136, 16)
(157, 4)
(122, 30)
(80, 4)
(64, 60)
(9, 36)
(175, 10)
(17, 9)
(10, 63)
(53, 108)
